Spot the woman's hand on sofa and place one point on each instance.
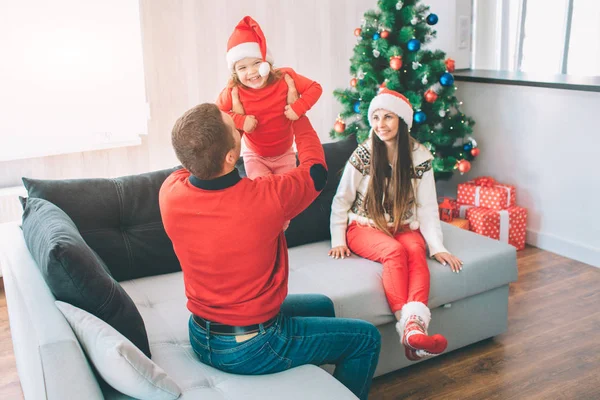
(339, 252)
(447, 258)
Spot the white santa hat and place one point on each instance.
(392, 101)
(248, 40)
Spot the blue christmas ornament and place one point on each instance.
(357, 107)
(376, 36)
(432, 19)
(468, 146)
(420, 117)
(413, 45)
(447, 79)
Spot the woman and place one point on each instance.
(385, 210)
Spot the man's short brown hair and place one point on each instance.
(201, 140)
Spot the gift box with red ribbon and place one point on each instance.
(486, 192)
(505, 225)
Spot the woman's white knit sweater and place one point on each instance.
(349, 205)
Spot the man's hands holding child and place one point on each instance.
(339, 252)
(250, 123)
(236, 106)
(447, 258)
(292, 96)
(290, 113)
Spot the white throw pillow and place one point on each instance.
(120, 363)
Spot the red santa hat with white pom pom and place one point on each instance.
(248, 40)
(392, 101)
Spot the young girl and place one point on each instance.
(385, 210)
(268, 107)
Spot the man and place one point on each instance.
(226, 232)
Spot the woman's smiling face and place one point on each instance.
(385, 125)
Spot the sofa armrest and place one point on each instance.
(50, 361)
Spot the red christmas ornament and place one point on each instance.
(396, 63)
(449, 64)
(430, 96)
(357, 32)
(463, 166)
(353, 82)
(339, 126)
(385, 34)
(475, 152)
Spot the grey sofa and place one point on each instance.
(466, 308)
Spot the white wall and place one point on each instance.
(450, 38)
(184, 45)
(544, 141)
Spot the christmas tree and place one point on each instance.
(388, 54)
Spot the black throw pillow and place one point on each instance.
(118, 218)
(74, 272)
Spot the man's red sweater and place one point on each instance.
(227, 233)
(273, 135)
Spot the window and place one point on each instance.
(558, 37)
(543, 36)
(584, 44)
(71, 75)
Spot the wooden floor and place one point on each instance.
(551, 349)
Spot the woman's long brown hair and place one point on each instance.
(398, 189)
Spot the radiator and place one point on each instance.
(10, 207)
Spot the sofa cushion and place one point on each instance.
(354, 285)
(118, 218)
(122, 365)
(74, 272)
(358, 290)
(162, 303)
(312, 225)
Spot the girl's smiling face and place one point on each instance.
(247, 72)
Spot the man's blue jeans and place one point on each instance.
(304, 333)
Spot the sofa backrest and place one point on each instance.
(120, 218)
